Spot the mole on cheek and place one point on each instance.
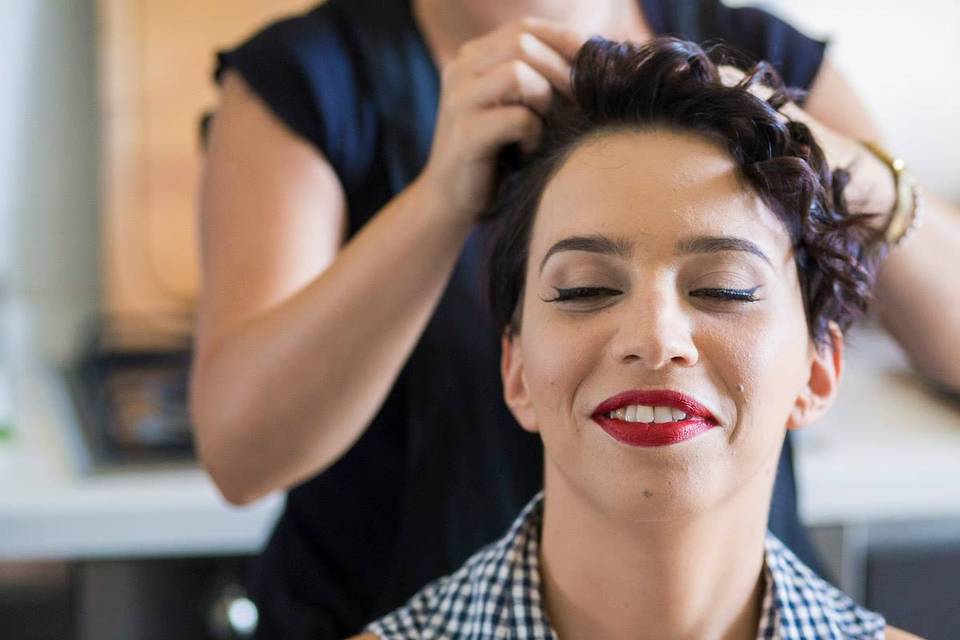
(740, 388)
(647, 493)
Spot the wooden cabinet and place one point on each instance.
(156, 58)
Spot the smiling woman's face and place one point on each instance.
(682, 280)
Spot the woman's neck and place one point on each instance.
(446, 24)
(699, 577)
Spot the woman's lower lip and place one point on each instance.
(642, 434)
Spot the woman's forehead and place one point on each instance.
(655, 187)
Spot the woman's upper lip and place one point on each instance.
(655, 398)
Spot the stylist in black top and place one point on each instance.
(343, 353)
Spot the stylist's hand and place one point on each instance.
(494, 93)
(871, 187)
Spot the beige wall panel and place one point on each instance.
(156, 59)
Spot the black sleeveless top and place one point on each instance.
(443, 468)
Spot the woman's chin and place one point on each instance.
(673, 490)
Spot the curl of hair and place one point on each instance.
(676, 85)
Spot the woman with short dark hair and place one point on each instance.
(671, 270)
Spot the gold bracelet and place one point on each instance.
(906, 213)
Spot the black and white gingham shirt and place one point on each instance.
(496, 595)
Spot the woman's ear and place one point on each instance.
(515, 391)
(826, 369)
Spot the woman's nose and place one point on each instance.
(655, 331)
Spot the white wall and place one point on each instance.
(902, 58)
(48, 163)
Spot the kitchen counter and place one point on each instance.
(50, 508)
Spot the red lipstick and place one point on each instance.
(642, 434)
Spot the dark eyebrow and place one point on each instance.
(713, 244)
(622, 247)
(595, 243)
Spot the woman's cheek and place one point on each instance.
(772, 355)
(557, 359)
(560, 355)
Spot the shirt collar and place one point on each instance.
(796, 603)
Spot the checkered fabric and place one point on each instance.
(496, 595)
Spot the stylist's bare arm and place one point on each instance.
(299, 336)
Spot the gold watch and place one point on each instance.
(905, 216)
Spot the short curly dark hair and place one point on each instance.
(674, 84)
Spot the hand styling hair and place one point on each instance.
(673, 84)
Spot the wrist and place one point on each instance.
(903, 216)
(876, 185)
(441, 209)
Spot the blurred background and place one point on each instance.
(107, 527)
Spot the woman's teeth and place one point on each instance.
(642, 413)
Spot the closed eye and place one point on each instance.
(590, 293)
(581, 293)
(736, 295)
